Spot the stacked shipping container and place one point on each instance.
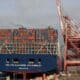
(24, 40)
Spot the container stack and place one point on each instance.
(28, 41)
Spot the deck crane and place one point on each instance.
(71, 34)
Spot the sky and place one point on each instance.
(35, 13)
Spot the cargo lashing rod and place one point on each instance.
(5, 44)
(44, 44)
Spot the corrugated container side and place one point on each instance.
(23, 40)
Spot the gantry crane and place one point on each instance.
(71, 34)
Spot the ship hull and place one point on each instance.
(31, 63)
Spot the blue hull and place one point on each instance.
(32, 63)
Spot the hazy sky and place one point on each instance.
(35, 13)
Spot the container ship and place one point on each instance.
(30, 50)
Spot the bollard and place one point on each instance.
(7, 77)
(44, 77)
(24, 76)
(56, 77)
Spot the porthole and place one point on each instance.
(31, 61)
(16, 61)
(8, 60)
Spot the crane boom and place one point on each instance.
(66, 21)
(58, 3)
(71, 35)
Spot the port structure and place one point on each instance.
(71, 35)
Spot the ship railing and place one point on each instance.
(36, 48)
